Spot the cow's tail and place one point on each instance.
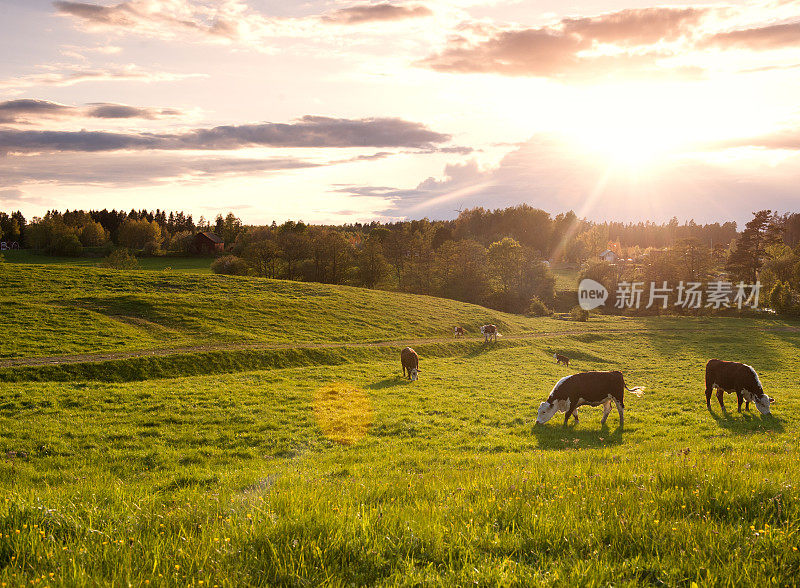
(637, 390)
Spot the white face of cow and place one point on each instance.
(762, 404)
(414, 372)
(546, 412)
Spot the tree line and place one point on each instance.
(498, 258)
(767, 251)
(72, 233)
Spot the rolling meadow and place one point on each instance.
(168, 428)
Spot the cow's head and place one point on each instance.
(414, 374)
(763, 403)
(546, 411)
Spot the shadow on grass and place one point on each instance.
(389, 383)
(555, 435)
(577, 355)
(481, 348)
(749, 423)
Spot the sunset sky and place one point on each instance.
(340, 111)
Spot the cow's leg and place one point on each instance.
(571, 410)
(575, 415)
(739, 400)
(606, 412)
(709, 391)
(621, 411)
(720, 392)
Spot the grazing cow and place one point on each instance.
(561, 359)
(590, 388)
(410, 361)
(458, 332)
(488, 332)
(732, 376)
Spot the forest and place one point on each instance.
(504, 258)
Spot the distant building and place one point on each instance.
(207, 243)
(609, 256)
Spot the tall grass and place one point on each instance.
(236, 479)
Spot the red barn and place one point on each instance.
(207, 243)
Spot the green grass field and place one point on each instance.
(329, 469)
(191, 265)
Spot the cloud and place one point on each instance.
(72, 76)
(108, 110)
(308, 132)
(572, 47)
(214, 21)
(538, 52)
(12, 198)
(548, 173)
(363, 13)
(758, 39)
(156, 16)
(16, 110)
(642, 26)
(139, 169)
(29, 111)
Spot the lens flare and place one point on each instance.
(343, 412)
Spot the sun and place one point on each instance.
(630, 129)
(629, 146)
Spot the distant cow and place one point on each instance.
(587, 388)
(410, 362)
(458, 332)
(561, 359)
(732, 376)
(489, 332)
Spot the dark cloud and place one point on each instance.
(106, 110)
(560, 51)
(309, 132)
(374, 156)
(376, 12)
(757, 39)
(31, 111)
(13, 110)
(457, 149)
(139, 169)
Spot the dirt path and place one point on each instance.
(100, 357)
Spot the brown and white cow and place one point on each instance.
(561, 359)
(410, 361)
(489, 332)
(732, 376)
(458, 332)
(586, 388)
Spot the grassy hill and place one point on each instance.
(50, 310)
(332, 470)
